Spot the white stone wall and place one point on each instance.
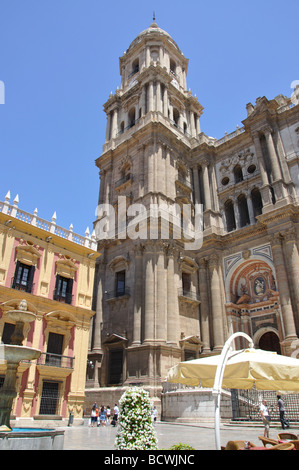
(193, 405)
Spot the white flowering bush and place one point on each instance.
(135, 429)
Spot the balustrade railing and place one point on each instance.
(13, 211)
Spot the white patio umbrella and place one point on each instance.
(238, 370)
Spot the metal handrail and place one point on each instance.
(56, 360)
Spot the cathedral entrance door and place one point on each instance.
(270, 342)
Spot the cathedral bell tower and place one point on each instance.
(152, 122)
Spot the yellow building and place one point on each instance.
(53, 270)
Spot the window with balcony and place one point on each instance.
(23, 278)
(63, 289)
(54, 349)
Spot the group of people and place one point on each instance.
(103, 415)
(264, 410)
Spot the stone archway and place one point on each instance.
(269, 341)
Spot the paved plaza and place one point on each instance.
(199, 436)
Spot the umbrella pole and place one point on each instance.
(218, 381)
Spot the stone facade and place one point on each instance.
(159, 302)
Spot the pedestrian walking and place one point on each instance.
(93, 415)
(103, 416)
(116, 412)
(281, 407)
(265, 417)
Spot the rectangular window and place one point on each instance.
(54, 349)
(120, 283)
(49, 399)
(23, 278)
(63, 289)
(186, 283)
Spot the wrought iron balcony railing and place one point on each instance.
(56, 360)
(62, 297)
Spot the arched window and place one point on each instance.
(230, 215)
(176, 116)
(132, 117)
(238, 174)
(172, 66)
(243, 211)
(135, 67)
(256, 202)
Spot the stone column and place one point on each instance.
(108, 128)
(204, 305)
(216, 303)
(151, 96)
(192, 124)
(160, 317)
(292, 267)
(250, 209)
(173, 325)
(149, 289)
(147, 56)
(102, 186)
(151, 167)
(273, 155)
(138, 294)
(158, 98)
(160, 168)
(265, 190)
(196, 185)
(114, 124)
(98, 319)
(237, 212)
(108, 185)
(165, 102)
(206, 185)
(143, 101)
(283, 288)
(214, 183)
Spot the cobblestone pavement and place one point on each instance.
(199, 436)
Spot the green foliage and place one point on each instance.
(181, 446)
(136, 431)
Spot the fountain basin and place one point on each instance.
(21, 315)
(14, 354)
(32, 439)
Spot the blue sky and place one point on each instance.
(59, 60)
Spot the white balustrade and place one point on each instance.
(13, 211)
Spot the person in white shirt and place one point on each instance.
(116, 412)
(265, 417)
